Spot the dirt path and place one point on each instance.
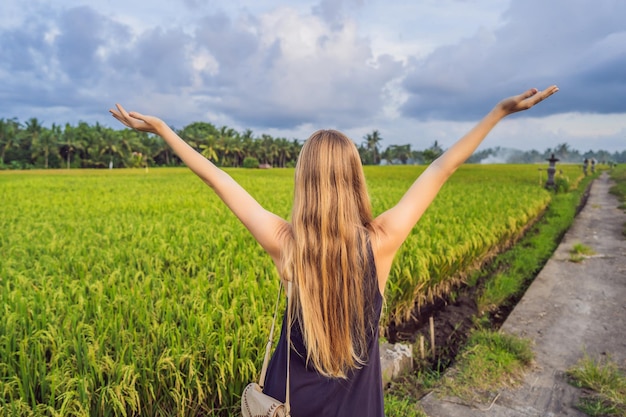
(570, 308)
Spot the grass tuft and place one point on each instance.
(605, 387)
(618, 174)
(491, 361)
(402, 407)
(579, 252)
(403, 394)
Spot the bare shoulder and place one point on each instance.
(283, 238)
(383, 256)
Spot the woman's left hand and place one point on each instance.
(526, 100)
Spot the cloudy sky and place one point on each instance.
(418, 71)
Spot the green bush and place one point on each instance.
(250, 162)
(561, 184)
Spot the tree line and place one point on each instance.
(563, 152)
(31, 145)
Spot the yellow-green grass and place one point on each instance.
(604, 384)
(579, 252)
(618, 174)
(128, 292)
(490, 362)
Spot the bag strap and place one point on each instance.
(268, 347)
(287, 404)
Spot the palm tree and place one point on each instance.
(432, 153)
(8, 136)
(562, 151)
(90, 138)
(233, 150)
(268, 150)
(132, 144)
(226, 144)
(284, 148)
(32, 133)
(210, 148)
(387, 154)
(111, 147)
(46, 144)
(400, 152)
(162, 151)
(248, 144)
(371, 145)
(202, 137)
(71, 144)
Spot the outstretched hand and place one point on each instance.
(136, 120)
(526, 100)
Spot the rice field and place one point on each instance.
(128, 292)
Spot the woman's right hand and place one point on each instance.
(137, 121)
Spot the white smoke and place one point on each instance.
(500, 156)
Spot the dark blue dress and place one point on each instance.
(314, 395)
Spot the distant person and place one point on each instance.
(585, 166)
(593, 165)
(337, 255)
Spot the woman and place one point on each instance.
(337, 256)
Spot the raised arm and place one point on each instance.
(264, 225)
(395, 224)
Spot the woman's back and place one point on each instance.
(312, 394)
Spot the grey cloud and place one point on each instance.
(27, 67)
(92, 61)
(232, 45)
(162, 58)
(193, 4)
(540, 43)
(258, 85)
(53, 53)
(288, 100)
(333, 11)
(81, 34)
(24, 49)
(332, 96)
(81, 58)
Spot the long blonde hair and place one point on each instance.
(326, 256)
